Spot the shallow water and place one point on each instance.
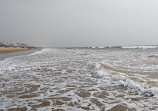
(81, 79)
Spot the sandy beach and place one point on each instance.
(10, 49)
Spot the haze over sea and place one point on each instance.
(78, 79)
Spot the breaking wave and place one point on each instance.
(23, 62)
(41, 51)
(121, 79)
(139, 47)
(127, 47)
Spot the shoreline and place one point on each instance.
(4, 50)
(8, 52)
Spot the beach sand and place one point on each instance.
(11, 52)
(10, 49)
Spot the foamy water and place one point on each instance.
(80, 79)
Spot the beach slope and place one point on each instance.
(10, 49)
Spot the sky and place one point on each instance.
(79, 23)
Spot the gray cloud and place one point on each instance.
(61, 23)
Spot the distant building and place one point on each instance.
(21, 45)
(2, 44)
(13, 45)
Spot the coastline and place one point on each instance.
(11, 52)
(4, 50)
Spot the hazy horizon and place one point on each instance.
(79, 23)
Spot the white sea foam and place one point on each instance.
(24, 62)
(129, 47)
(41, 51)
(107, 78)
(124, 80)
(139, 47)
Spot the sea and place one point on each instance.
(79, 79)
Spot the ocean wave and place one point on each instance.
(23, 62)
(41, 51)
(139, 47)
(121, 79)
(127, 47)
(13, 64)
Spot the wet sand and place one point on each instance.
(17, 53)
(10, 49)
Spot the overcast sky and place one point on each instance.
(60, 23)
